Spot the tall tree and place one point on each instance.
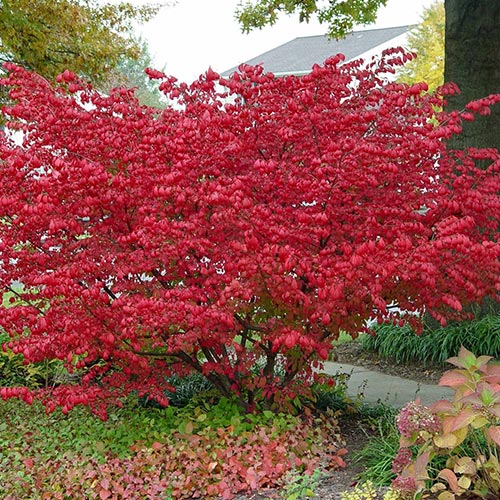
(86, 36)
(472, 57)
(427, 40)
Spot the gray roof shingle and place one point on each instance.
(299, 55)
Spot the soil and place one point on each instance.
(355, 434)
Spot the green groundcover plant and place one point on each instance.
(209, 451)
(204, 447)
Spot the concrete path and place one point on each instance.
(378, 387)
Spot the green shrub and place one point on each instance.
(401, 344)
(188, 389)
(14, 372)
(299, 486)
(329, 392)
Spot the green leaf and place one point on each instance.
(487, 396)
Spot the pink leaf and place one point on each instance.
(441, 406)
(494, 434)
(421, 465)
(450, 477)
(453, 378)
(462, 419)
(104, 494)
(252, 478)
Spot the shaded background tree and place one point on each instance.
(472, 55)
(130, 73)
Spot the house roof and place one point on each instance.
(299, 55)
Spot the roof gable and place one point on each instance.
(299, 55)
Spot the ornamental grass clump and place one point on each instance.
(435, 345)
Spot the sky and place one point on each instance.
(187, 38)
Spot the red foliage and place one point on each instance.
(250, 220)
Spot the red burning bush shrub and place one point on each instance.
(237, 230)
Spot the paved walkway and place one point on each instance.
(378, 387)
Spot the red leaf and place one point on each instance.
(339, 461)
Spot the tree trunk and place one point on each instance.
(472, 61)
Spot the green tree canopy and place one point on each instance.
(90, 38)
(427, 40)
(340, 15)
